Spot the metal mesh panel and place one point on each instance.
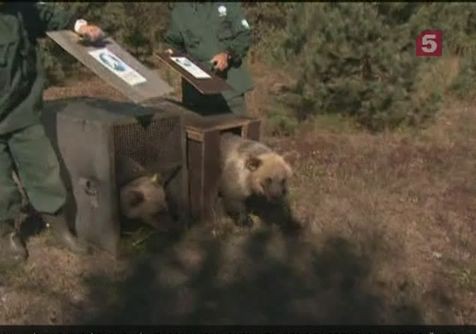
(154, 145)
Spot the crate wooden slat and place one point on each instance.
(196, 125)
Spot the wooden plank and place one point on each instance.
(195, 135)
(216, 122)
(253, 130)
(184, 187)
(137, 91)
(197, 123)
(195, 171)
(217, 127)
(211, 172)
(212, 85)
(94, 204)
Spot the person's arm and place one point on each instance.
(173, 36)
(54, 18)
(238, 46)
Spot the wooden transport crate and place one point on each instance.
(203, 156)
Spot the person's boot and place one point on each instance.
(59, 226)
(11, 245)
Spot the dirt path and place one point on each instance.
(389, 238)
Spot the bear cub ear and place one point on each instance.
(253, 163)
(155, 178)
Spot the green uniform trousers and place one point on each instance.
(218, 105)
(213, 104)
(30, 152)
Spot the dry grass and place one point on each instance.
(413, 193)
(389, 238)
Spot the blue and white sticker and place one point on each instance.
(117, 66)
(190, 67)
(245, 24)
(221, 11)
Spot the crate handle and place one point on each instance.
(90, 188)
(88, 185)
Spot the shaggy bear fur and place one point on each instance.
(141, 194)
(251, 173)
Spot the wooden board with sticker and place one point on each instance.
(115, 66)
(196, 74)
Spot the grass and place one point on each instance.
(412, 191)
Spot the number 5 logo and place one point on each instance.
(429, 43)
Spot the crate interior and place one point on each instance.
(156, 146)
(235, 130)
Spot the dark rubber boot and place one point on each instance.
(60, 229)
(11, 245)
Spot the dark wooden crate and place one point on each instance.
(88, 134)
(203, 156)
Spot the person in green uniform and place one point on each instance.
(217, 35)
(24, 146)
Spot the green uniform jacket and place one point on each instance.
(204, 29)
(21, 70)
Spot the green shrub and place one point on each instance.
(279, 120)
(267, 19)
(358, 59)
(464, 84)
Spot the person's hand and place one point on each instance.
(91, 32)
(220, 61)
(169, 52)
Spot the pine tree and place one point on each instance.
(359, 59)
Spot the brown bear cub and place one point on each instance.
(141, 194)
(251, 172)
